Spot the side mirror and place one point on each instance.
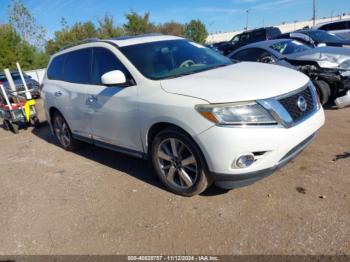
(115, 77)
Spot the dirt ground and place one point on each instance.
(96, 201)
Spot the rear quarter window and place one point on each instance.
(55, 70)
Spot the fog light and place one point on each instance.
(245, 160)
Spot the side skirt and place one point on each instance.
(111, 147)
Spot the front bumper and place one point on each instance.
(229, 182)
(277, 146)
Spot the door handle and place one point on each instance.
(92, 99)
(58, 93)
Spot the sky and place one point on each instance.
(218, 15)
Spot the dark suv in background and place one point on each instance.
(315, 38)
(32, 84)
(246, 38)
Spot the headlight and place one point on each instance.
(246, 113)
(327, 64)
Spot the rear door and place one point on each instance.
(72, 91)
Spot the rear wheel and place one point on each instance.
(6, 124)
(63, 133)
(178, 163)
(14, 127)
(323, 91)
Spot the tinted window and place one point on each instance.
(335, 26)
(77, 66)
(244, 37)
(105, 61)
(251, 55)
(319, 36)
(289, 47)
(258, 35)
(56, 68)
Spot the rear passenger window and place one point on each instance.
(55, 69)
(77, 66)
(105, 61)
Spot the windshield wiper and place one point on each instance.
(195, 71)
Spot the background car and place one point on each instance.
(328, 67)
(315, 38)
(246, 38)
(32, 84)
(340, 28)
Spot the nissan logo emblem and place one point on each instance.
(302, 104)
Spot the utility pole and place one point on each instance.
(314, 12)
(247, 22)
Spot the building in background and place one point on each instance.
(285, 27)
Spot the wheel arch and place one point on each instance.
(52, 111)
(158, 127)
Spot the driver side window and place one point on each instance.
(103, 62)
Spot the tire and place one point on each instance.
(323, 91)
(14, 128)
(6, 125)
(186, 178)
(63, 133)
(35, 122)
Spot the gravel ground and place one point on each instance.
(96, 201)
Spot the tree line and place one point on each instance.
(23, 40)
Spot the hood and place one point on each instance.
(238, 82)
(335, 55)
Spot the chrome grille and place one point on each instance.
(290, 104)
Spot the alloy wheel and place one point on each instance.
(177, 163)
(62, 131)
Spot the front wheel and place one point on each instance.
(178, 163)
(63, 133)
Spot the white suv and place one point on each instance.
(197, 116)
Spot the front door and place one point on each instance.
(115, 112)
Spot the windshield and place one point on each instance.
(173, 58)
(289, 47)
(320, 36)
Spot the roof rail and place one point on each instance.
(84, 41)
(126, 37)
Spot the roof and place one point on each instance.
(258, 29)
(266, 43)
(141, 39)
(124, 40)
